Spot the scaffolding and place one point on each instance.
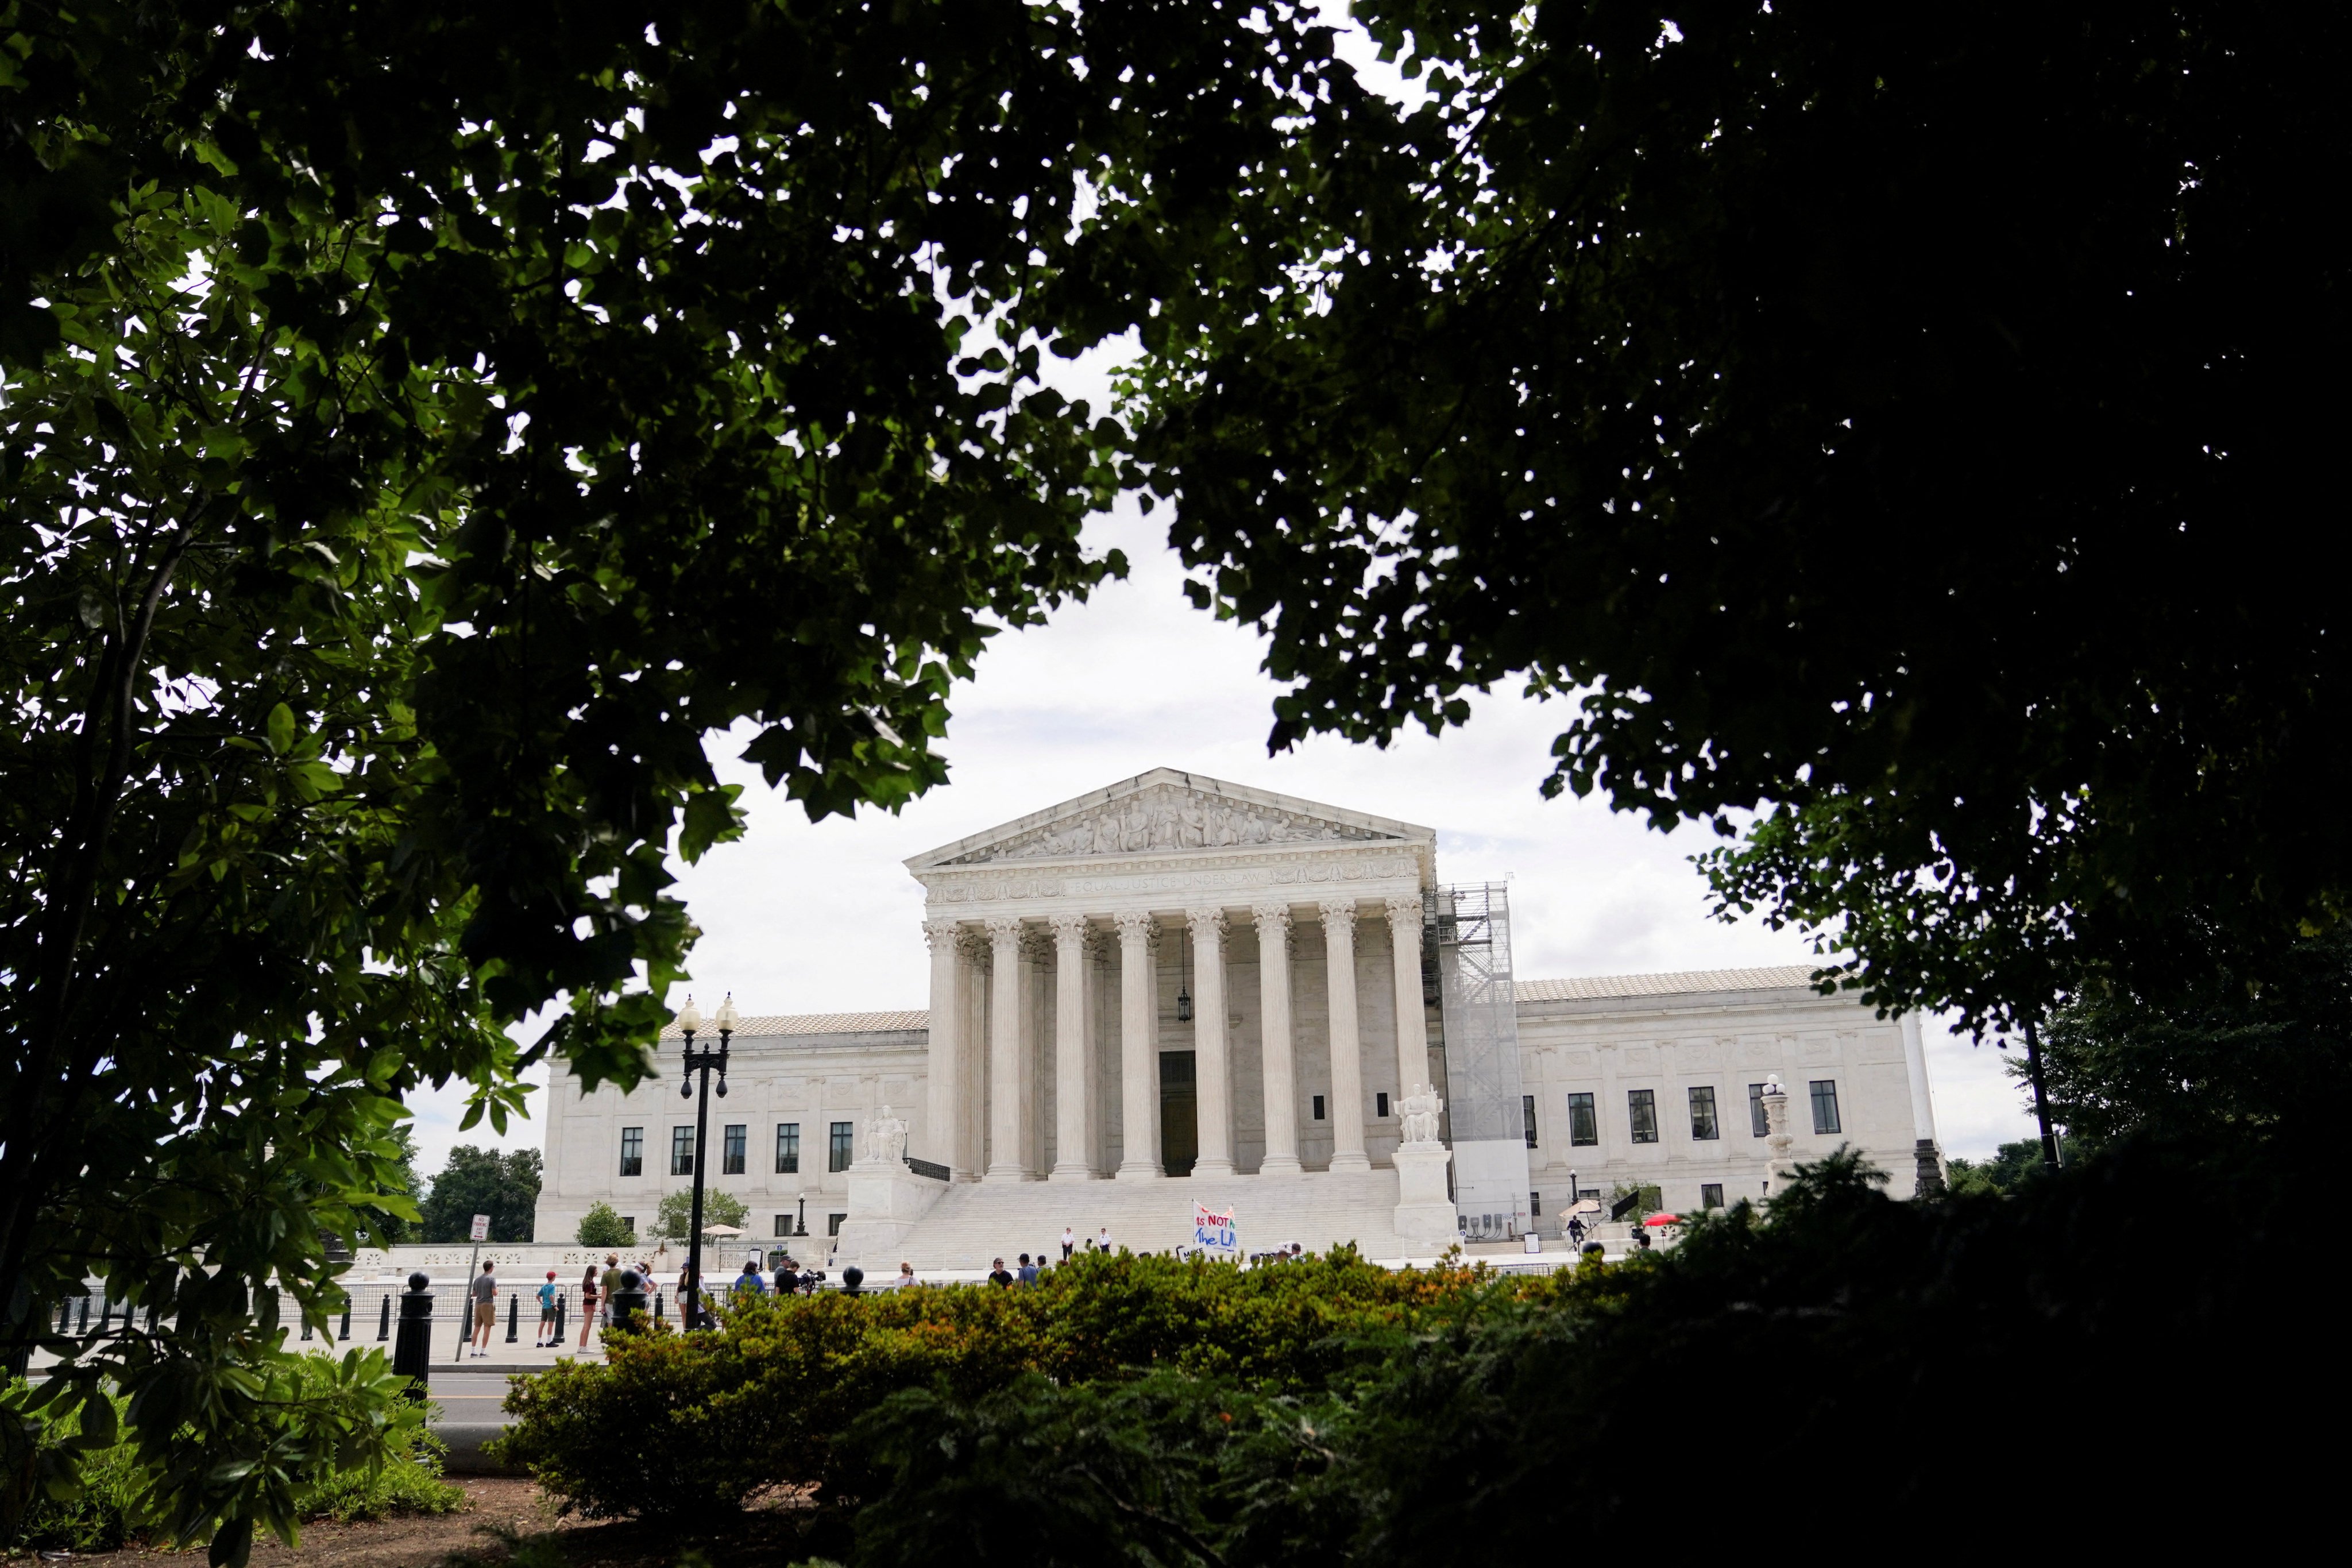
(1469, 930)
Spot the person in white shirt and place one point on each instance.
(906, 1275)
(1069, 1242)
(1102, 1242)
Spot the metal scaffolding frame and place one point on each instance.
(1469, 929)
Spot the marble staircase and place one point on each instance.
(973, 1222)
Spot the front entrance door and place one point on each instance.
(1179, 1126)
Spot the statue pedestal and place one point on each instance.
(885, 1201)
(1424, 1215)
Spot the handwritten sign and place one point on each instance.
(1214, 1232)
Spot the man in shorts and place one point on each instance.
(546, 1313)
(485, 1293)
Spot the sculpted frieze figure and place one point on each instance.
(1419, 1113)
(1169, 819)
(885, 1138)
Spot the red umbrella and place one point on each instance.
(1663, 1219)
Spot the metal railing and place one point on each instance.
(926, 1168)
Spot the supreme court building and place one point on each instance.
(1179, 989)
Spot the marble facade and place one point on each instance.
(1066, 950)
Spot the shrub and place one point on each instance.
(674, 1217)
(713, 1417)
(602, 1226)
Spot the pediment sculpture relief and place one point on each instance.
(1169, 819)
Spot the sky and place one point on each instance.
(802, 918)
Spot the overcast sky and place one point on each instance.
(817, 919)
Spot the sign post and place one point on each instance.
(1213, 1235)
(466, 1294)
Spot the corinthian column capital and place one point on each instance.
(939, 933)
(1338, 914)
(1208, 926)
(1136, 926)
(1405, 913)
(1274, 918)
(1069, 932)
(1004, 930)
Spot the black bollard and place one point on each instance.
(306, 1325)
(628, 1302)
(384, 1323)
(563, 1302)
(412, 1353)
(514, 1315)
(85, 1316)
(851, 1279)
(657, 1306)
(346, 1335)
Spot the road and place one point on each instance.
(469, 1398)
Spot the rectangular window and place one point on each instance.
(1642, 1111)
(1825, 1116)
(837, 1158)
(632, 1150)
(1710, 1196)
(1379, 1105)
(832, 1224)
(730, 1153)
(1318, 1108)
(1534, 1204)
(629, 1224)
(1583, 1126)
(1703, 1127)
(788, 1149)
(1756, 1122)
(1584, 1193)
(681, 1150)
(1528, 1116)
(783, 1226)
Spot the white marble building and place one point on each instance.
(1133, 1006)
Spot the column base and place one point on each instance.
(1071, 1173)
(1350, 1163)
(1136, 1171)
(999, 1175)
(1214, 1168)
(1280, 1165)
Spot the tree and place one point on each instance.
(483, 1181)
(1879, 427)
(602, 1226)
(674, 1217)
(423, 424)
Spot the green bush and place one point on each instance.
(602, 1226)
(706, 1420)
(106, 1510)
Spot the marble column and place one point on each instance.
(1212, 1065)
(1413, 1024)
(1074, 1138)
(1138, 1052)
(1347, 1038)
(1008, 1107)
(1281, 1064)
(942, 1113)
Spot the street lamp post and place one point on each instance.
(690, 1022)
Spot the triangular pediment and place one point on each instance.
(1168, 811)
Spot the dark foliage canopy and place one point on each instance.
(423, 426)
(1918, 425)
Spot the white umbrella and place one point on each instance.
(721, 1230)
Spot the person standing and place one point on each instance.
(906, 1274)
(546, 1313)
(485, 1293)
(1027, 1273)
(749, 1282)
(590, 1294)
(609, 1283)
(999, 1278)
(1102, 1241)
(1069, 1242)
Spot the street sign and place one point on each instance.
(1213, 1232)
(481, 1227)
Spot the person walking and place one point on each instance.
(590, 1293)
(749, 1283)
(1069, 1242)
(546, 1313)
(999, 1278)
(485, 1293)
(1575, 1231)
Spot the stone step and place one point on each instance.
(973, 1222)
